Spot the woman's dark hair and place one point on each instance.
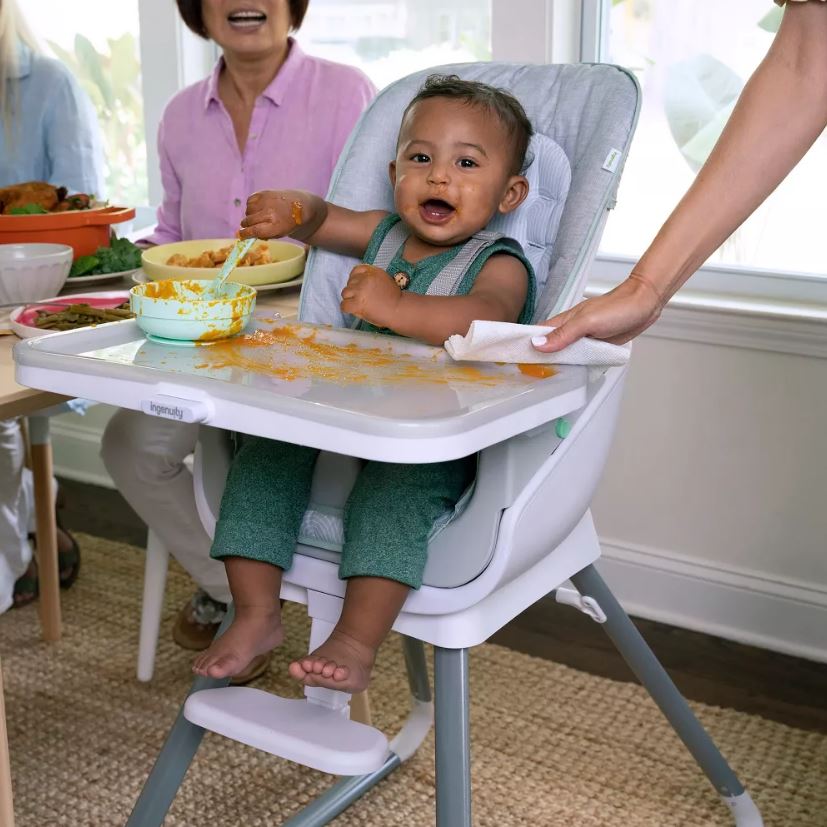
(193, 16)
(502, 104)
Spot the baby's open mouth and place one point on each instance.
(435, 210)
(246, 18)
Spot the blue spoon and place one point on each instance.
(240, 249)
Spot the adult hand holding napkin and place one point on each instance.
(506, 342)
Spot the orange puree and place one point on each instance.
(323, 360)
(161, 290)
(296, 212)
(538, 371)
(263, 352)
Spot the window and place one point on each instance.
(99, 41)
(388, 39)
(692, 59)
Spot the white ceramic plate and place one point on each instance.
(110, 298)
(101, 277)
(139, 277)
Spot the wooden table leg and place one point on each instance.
(6, 808)
(44, 505)
(360, 708)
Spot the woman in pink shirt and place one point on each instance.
(268, 117)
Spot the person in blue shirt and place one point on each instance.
(48, 132)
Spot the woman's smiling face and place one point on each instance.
(247, 27)
(453, 170)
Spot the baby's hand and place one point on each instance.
(273, 213)
(371, 294)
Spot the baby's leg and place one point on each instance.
(345, 660)
(256, 627)
(261, 512)
(388, 518)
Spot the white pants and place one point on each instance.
(145, 456)
(16, 510)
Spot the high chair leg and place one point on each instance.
(155, 578)
(417, 668)
(453, 739)
(174, 758)
(657, 682)
(341, 795)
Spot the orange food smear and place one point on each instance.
(296, 212)
(538, 371)
(339, 363)
(161, 290)
(172, 289)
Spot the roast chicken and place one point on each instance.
(41, 194)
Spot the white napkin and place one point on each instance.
(506, 342)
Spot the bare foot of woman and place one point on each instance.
(253, 632)
(341, 662)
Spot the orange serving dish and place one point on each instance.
(83, 230)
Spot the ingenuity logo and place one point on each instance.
(168, 411)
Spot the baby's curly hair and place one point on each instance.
(497, 101)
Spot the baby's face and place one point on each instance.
(452, 171)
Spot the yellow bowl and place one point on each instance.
(287, 263)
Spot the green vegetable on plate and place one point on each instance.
(121, 255)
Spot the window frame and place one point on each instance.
(712, 284)
(172, 57)
(528, 31)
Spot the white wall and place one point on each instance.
(713, 509)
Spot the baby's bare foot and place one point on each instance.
(253, 632)
(341, 662)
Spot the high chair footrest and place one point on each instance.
(292, 728)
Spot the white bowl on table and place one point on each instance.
(32, 272)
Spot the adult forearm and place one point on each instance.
(781, 112)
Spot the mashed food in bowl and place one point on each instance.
(258, 254)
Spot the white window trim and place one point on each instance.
(738, 306)
(172, 57)
(737, 321)
(535, 31)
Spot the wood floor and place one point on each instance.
(705, 668)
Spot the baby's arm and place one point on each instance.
(308, 218)
(498, 295)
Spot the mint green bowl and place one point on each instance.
(187, 311)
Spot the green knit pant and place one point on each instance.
(387, 520)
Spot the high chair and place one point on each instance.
(523, 532)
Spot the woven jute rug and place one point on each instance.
(551, 746)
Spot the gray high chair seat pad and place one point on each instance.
(584, 116)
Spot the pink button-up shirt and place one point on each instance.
(299, 126)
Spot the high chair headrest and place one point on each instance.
(583, 115)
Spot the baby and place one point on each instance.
(459, 154)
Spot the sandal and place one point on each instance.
(26, 587)
(68, 562)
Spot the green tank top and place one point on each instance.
(424, 272)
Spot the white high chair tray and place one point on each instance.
(366, 395)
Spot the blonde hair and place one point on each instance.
(13, 31)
